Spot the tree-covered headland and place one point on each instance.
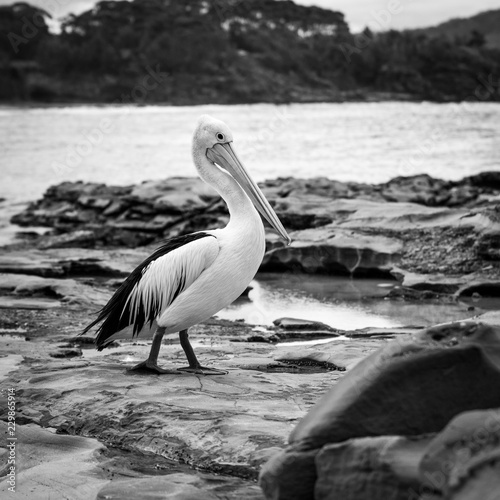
(231, 51)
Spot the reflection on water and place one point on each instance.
(340, 302)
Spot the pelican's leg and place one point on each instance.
(151, 364)
(194, 364)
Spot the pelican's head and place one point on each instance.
(211, 131)
(214, 138)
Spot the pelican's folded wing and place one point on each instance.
(155, 284)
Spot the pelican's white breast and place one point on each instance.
(241, 249)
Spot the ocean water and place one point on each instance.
(340, 302)
(365, 142)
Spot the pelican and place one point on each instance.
(190, 278)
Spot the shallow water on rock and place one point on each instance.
(343, 303)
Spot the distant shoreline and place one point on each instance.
(67, 104)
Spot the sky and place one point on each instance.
(379, 15)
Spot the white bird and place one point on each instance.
(192, 277)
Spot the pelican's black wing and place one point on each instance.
(153, 285)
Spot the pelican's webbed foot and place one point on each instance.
(202, 370)
(152, 367)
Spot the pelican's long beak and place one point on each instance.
(224, 156)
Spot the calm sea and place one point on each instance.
(365, 142)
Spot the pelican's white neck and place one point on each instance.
(236, 199)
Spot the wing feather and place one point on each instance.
(155, 284)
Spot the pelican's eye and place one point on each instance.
(220, 137)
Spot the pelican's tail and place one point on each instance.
(115, 315)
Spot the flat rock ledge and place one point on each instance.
(381, 393)
(418, 417)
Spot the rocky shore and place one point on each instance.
(404, 229)
(393, 398)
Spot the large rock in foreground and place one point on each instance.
(460, 463)
(414, 385)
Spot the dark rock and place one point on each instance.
(423, 355)
(299, 469)
(57, 263)
(463, 461)
(66, 352)
(27, 265)
(341, 354)
(259, 337)
(481, 288)
(488, 246)
(321, 186)
(301, 324)
(94, 202)
(436, 283)
(361, 469)
(422, 189)
(133, 215)
(371, 332)
(66, 290)
(302, 211)
(174, 195)
(488, 180)
(82, 238)
(84, 340)
(248, 289)
(335, 251)
(443, 287)
(410, 294)
(413, 385)
(310, 359)
(116, 207)
(304, 335)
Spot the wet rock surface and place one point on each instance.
(412, 387)
(226, 427)
(203, 435)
